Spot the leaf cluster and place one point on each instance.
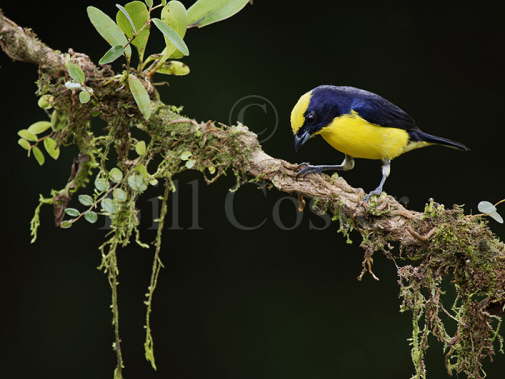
(136, 149)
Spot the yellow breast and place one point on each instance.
(356, 137)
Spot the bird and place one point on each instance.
(360, 124)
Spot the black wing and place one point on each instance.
(379, 111)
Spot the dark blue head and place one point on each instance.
(316, 109)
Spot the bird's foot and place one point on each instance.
(376, 191)
(308, 169)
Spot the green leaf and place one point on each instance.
(90, 217)
(39, 127)
(486, 207)
(119, 195)
(140, 95)
(496, 216)
(85, 200)
(142, 170)
(206, 12)
(84, 97)
(115, 175)
(24, 133)
(125, 13)
(102, 184)
(149, 3)
(39, 156)
(56, 123)
(108, 206)
(185, 155)
(172, 35)
(75, 72)
(112, 54)
(72, 212)
(108, 29)
(52, 148)
(138, 17)
(140, 148)
(489, 209)
(65, 224)
(137, 182)
(173, 68)
(174, 14)
(190, 163)
(24, 144)
(45, 101)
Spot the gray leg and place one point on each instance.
(347, 164)
(386, 169)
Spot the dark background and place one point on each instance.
(268, 303)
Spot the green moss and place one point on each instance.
(35, 221)
(173, 144)
(375, 206)
(455, 252)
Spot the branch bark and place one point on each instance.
(21, 44)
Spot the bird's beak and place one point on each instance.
(301, 139)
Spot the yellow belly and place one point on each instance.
(356, 137)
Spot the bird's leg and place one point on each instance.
(347, 164)
(386, 169)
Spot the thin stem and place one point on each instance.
(110, 266)
(130, 40)
(156, 7)
(484, 214)
(501, 201)
(155, 271)
(113, 281)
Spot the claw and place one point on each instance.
(308, 170)
(376, 191)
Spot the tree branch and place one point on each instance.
(21, 44)
(387, 217)
(442, 241)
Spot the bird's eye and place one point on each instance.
(310, 116)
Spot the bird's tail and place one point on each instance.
(418, 136)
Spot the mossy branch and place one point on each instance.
(436, 244)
